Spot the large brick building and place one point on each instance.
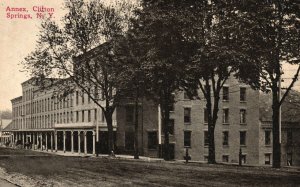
(44, 120)
(237, 126)
(290, 130)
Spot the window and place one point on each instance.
(152, 140)
(64, 103)
(68, 101)
(129, 140)
(289, 136)
(187, 115)
(268, 159)
(71, 116)
(267, 137)
(82, 115)
(185, 95)
(96, 94)
(242, 137)
(289, 159)
(225, 116)
(187, 138)
(77, 116)
(89, 116)
(82, 97)
(242, 116)
(244, 159)
(225, 158)
(225, 137)
(206, 142)
(225, 93)
(71, 102)
(242, 94)
(171, 126)
(129, 114)
(89, 98)
(205, 116)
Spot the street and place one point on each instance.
(4, 183)
(53, 170)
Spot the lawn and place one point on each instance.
(79, 171)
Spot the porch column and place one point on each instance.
(23, 139)
(33, 141)
(79, 142)
(41, 140)
(85, 143)
(46, 141)
(72, 142)
(94, 143)
(37, 141)
(51, 141)
(55, 141)
(64, 132)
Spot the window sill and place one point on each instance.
(226, 101)
(205, 123)
(225, 124)
(187, 147)
(268, 145)
(205, 146)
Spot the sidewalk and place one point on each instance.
(76, 154)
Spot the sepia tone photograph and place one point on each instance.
(149, 93)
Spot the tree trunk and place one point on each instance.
(211, 128)
(136, 126)
(276, 139)
(166, 119)
(108, 117)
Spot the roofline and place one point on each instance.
(20, 97)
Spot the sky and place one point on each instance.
(18, 38)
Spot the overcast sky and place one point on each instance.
(17, 39)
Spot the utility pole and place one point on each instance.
(279, 117)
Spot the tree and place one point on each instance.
(6, 114)
(271, 32)
(85, 26)
(165, 54)
(130, 77)
(218, 55)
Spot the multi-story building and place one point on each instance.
(290, 130)
(237, 126)
(45, 120)
(5, 125)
